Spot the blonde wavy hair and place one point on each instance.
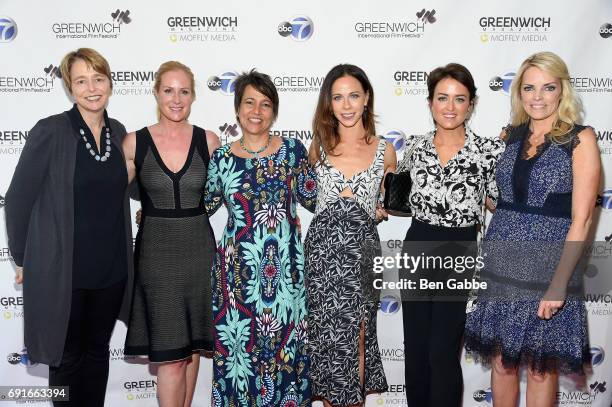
(569, 111)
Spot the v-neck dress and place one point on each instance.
(175, 247)
(522, 249)
(340, 245)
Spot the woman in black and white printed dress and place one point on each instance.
(350, 163)
(452, 171)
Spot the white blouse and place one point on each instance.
(453, 195)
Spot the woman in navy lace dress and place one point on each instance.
(547, 179)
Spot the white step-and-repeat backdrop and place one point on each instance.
(296, 43)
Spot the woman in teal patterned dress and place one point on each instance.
(259, 299)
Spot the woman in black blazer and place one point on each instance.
(68, 224)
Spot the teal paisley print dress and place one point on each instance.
(259, 298)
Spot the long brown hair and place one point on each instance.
(325, 124)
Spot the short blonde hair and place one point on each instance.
(91, 57)
(569, 111)
(173, 66)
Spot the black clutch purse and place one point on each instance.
(397, 186)
(397, 193)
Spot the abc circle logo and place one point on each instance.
(483, 395)
(20, 358)
(390, 304)
(502, 83)
(299, 28)
(397, 138)
(597, 355)
(605, 30)
(8, 29)
(223, 82)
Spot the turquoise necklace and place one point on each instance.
(255, 153)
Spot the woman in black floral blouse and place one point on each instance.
(453, 172)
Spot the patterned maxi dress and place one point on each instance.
(340, 245)
(522, 248)
(259, 298)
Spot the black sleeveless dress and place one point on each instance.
(175, 247)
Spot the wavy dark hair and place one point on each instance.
(325, 124)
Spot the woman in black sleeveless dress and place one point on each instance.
(171, 316)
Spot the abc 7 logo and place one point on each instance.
(605, 30)
(397, 139)
(299, 28)
(223, 82)
(8, 29)
(496, 83)
(389, 304)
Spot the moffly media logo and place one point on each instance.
(12, 141)
(592, 84)
(141, 389)
(395, 396)
(485, 396)
(410, 83)
(93, 30)
(514, 29)
(605, 31)
(299, 28)
(133, 83)
(228, 133)
(202, 28)
(12, 307)
(579, 398)
(223, 83)
(8, 29)
(298, 84)
(20, 358)
(502, 83)
(396, 29)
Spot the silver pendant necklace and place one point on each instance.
(93, 153)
